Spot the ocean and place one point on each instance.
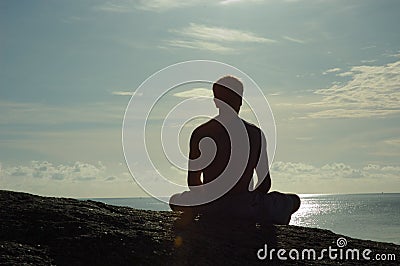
(365, 216)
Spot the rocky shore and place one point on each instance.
(38, 230)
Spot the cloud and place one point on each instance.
(393, 142)
(293, 39)
(122, 93)
(165, 5)
(75, 179)
(74, 19)
(332, 70)
(345, 74)
(368, 47)
(113, 8)
(212, 38)
(125, 93)
(368, 61)
(220, 34)
(372, 91)
(228, 2)
(199, 45)
(290, 170)
(77, 171)
(196, 92)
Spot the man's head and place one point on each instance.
(228, 89)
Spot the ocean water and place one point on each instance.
(365, 216)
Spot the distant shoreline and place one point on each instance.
(301, 195)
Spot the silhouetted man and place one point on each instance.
(226, 150)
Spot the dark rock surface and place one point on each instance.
(38, 230)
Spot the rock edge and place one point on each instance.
(37, 230)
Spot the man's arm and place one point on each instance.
(193, 178)
(262, 168)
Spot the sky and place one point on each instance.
(330, 70)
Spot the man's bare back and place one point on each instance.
(239, 150)
(218, 133)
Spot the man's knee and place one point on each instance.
(172, 202)
(179, 202)
(296, 202)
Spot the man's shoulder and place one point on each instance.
(251, 126)
(213, 125)
(206, 127)
(207, 124)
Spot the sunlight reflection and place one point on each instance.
(308, 208)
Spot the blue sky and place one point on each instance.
(329, 69)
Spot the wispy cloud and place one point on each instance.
(71, 179)
(291, 39)
(164, 5)
(368, 61)
(345, 74)
(228, 2)
(368, 47)
(74, 19)
(78, 171)
(333, 170)
(212, 38)
(114, 7)
(122, 93)
(125, 93)
(395, 54)
(196, 92)
(332, 70)
(199, 45)
(393, 142)
(372, 91)
(221, 34)
(50, 115)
